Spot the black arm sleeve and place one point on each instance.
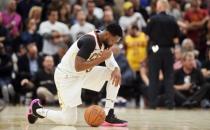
(86, 44)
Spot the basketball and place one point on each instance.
(94, 115)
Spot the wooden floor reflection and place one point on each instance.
(13, 118)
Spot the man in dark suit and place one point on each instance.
(163, 32)
(28, 65)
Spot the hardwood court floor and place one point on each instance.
(13, 118)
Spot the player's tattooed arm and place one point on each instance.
(82, 64)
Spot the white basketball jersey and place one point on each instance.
(67, 64)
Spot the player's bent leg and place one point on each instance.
(94, 80)
(68, 115)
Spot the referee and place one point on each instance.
(163, 33)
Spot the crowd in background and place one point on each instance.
(35, 34)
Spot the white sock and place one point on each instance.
(111, 95)
(67, 116)
(43, 112)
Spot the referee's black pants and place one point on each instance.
(163, 60)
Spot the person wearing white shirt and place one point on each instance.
(47, 28)
(131, 18)
(81, 27)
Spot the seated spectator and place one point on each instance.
(11, 19)
(131, 18)
(64, 14)
(5, 75)
(188, 46)
(178, 56)
(107, 19)
(206, 67)
(24, 7)
(50, 27)
(75, 9)
(195, 18)
(81, 27)
(91, 17)
(3, 31)
(44, 82)
(139, 7)
(190, 86)
(98, 12)
(28, 66)
(61, 51)
(175, 9)
(30, 35)
(35, 13)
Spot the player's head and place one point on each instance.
(113, 34)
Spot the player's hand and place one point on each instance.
(106, 54)
(116, 77)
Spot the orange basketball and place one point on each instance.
(94, 115)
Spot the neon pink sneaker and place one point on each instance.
(32, 115)
(112, 120)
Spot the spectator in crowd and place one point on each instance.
(24, 7)
(91, 17)
(190, 86)
(131, 18)
(188, 45)
(135, 47)
(81, 27)
(115, 11)
(177, 58)
(11, 19)
(107, 19)
(28, 66)
(75, 9)
(206, 67)
(163, 33)
(138, 8)
(98, 12)
(3, 31)
(196, 18)
(61, 51)
(64, 14)
(175, 9)
(36, 14)
(52, 27)
(6, 67)
(44, 82)
(31, 35)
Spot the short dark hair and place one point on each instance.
(135, 27)
(115, 29)
(51, 9)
